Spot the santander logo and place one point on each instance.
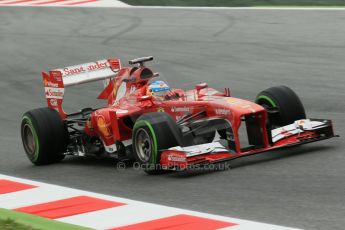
(56, 93)
(85, 68)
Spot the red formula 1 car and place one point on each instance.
(167, 128)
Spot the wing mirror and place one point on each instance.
(201, 86)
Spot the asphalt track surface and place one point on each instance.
(247, 50)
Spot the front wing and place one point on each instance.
(300, 132)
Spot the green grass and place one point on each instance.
(235, 2)
(9, 224)
(11, 220)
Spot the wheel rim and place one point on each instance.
(143, 145)
(29, 140)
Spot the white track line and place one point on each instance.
(119, 4)
(237, 8)
(131, 213)
(65, 3)
(34, 196)
(124, 215)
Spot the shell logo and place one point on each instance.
(234, 101)
(103, 127)
(160, 109)
(45, 82)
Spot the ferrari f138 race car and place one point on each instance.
(162, 128)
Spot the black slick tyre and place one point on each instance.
(286, 101)
(152, 133)
(44, 136)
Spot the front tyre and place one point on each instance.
(152, 133)
(44, 136)
(286, 101)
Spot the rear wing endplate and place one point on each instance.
(56, 80)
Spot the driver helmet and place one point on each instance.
(158, 89)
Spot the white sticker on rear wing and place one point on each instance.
(56, 93)
(88, 72)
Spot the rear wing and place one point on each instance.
(56, 80)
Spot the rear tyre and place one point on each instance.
(286, 101)
(152, 133)
(44, 136)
